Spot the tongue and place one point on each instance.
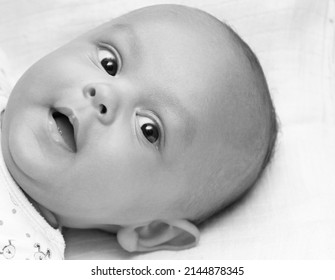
(66, 130)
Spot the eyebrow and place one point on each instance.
(128, 33)
(164, 99)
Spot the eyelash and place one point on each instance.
(114, 54)
(153, 120)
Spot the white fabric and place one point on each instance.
(290, 214)
(24, 234)
(5, 84)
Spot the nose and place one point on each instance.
(104, 100)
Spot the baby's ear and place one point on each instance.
(159, 235)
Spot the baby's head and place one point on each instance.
(144, 126)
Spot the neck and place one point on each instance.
(45, 213)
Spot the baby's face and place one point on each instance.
(112, 127)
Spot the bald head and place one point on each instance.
(232, 117)
(209, 89)
(238, 122)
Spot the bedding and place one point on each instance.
(290, 213)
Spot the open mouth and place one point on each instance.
(65, 129)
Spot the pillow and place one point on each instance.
(290, 213)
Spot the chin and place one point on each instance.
(23, 150)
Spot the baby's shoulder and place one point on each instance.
(20, 236)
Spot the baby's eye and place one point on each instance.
(109, 61)
(149, 129)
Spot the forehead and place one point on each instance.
(163, 30)
(187, 63)
(185, 56)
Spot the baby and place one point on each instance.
(143, 127)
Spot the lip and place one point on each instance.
(53, 129)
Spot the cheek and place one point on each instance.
(59, 70)
(122, 157)
(40, 84)
(125, 173)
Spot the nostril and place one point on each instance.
(92, 92)
(102, 109)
